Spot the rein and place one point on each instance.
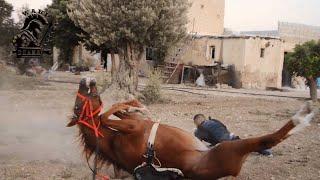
(87, 115)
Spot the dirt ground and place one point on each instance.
(35, 144)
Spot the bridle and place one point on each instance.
(87, 114)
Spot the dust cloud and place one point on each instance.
(33, 125)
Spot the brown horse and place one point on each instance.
(124, 142)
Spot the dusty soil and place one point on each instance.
(35, 144)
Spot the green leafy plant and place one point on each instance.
(305, 62)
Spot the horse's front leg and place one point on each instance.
(126, 110)
(115, 108)
(124, 126)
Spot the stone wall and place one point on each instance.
(293, 34)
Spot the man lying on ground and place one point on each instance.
(213, 132)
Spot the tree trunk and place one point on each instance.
(127, 75)
(313, 89)
(113, 67)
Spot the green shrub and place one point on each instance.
(152, 91)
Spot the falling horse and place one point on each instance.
(123, 142)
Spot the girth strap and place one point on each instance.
(153, 134)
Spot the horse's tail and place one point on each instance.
(294, 125)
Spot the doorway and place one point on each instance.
(286, 76)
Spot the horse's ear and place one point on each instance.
(93, 87)
(83, 85)
(72, 123)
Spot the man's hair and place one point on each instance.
(198, 119)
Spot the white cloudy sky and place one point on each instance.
(245, 14)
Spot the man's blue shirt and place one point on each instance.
(212, 131)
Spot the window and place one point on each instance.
(262, 52)
(149, 53)
(213, 51)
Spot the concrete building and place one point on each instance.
(257, 60)
(257, 56)
(206, 17)
(292, 34)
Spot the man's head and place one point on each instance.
(198, 119)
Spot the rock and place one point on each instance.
(225, 86)
(218, 86)
(299, 82)
(200, 81)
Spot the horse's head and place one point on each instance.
(87, 103)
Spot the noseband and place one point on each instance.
(88, 113)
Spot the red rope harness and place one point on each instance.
(87, 115)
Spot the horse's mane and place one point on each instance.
(89, 151)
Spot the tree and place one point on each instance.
(8, 30)
(68, 35)
(305, 62)
(66, 32)
(129, 26)
(5, 12)
(7, 26)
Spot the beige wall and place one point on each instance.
(206, 17)
(199, 52)
(234, 52)
(260, 72)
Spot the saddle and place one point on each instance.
(148, 170)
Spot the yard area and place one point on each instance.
(35, 143)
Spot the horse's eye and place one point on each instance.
(76, 107)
